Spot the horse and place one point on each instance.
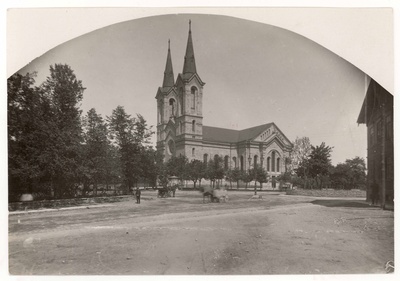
(220, 195)
(214, 195)
(207, 192)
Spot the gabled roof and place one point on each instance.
(233, 136)
(188, 77)
(164, 91)
(375, 98)
(220, 134)
(253, 132)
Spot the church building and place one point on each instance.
(180, 129)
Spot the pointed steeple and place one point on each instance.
(190, 63)
(169, 72)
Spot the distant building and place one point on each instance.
(377, 113)
(180, 129)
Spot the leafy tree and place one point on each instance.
(61, 157)
(214, 170)
(178, 166)
(317, 164)
(301, 151)
(95, 149)
(319, 160)
(219, 168)
(151, 160)
(113, 167)
(261, 175)
(236, 176)
(27, 110)
(195, 171)
(348, 175)
(130, 135)
(247, 176)
(357, 167)
(340, 176)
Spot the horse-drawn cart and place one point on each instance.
(164, 192)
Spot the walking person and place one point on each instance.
(138, 193)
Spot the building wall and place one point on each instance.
(380, 161)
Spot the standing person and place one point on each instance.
(374, 193)
(138, 193)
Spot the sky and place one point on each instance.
(255, 73)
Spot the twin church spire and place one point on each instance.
(169, 72)
(189, 66)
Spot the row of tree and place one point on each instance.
(53, 150)
(310, 167)
(214, 171)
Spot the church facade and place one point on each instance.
(180, 129)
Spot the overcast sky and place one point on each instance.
(254, 73)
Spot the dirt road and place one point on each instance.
(181, 235)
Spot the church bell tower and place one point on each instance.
(179, 107)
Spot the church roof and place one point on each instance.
(189, 65)
(169, 72)
(233, 136)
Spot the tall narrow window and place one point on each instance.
(193, 151)
(193, 92)
(278, 164)
(193, 126)
(234, 162)
(226, 162)
(241, 163)
(273, 161)
(255, 161)
(181, 99)
(269, 164)
(172, 107)
(205, 158)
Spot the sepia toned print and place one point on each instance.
(194, 144)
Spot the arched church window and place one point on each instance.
(193, 92)
(205, 158)
(171, 147)
(255, 161)
(193, 125)
(181, 99)
(160, 112)
(234, 161)
(278, 163)
(273, 161)
(269, 164)
(241, 163)
(226, 162)
(172, 107)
